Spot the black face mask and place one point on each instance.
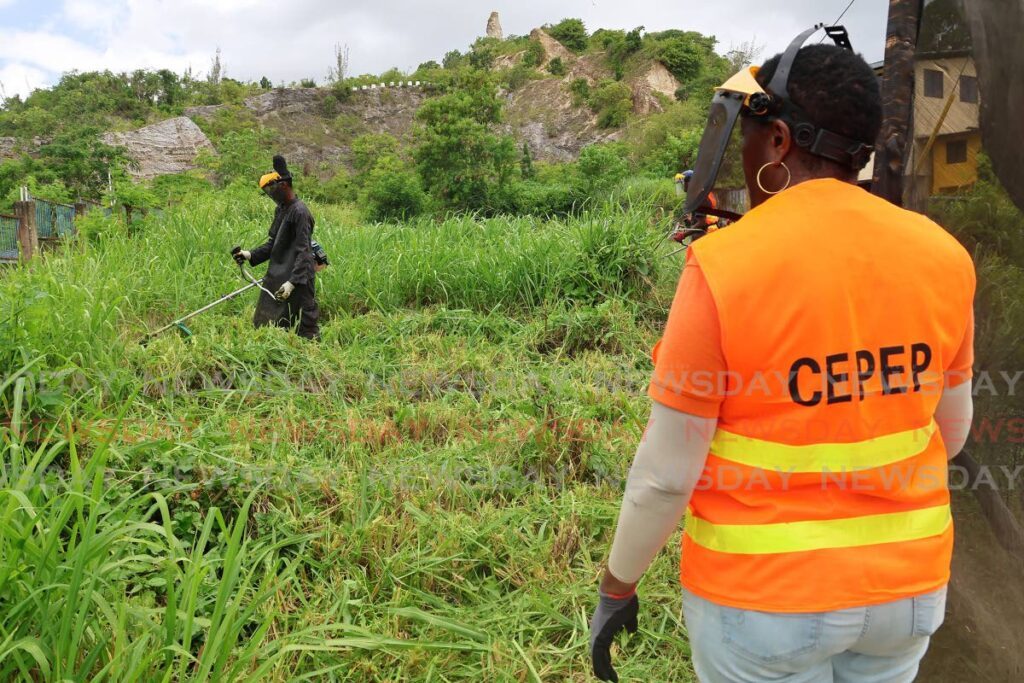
(276, 191)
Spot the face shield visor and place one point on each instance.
(727, 104)
(743, 95)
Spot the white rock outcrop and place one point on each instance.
(163, 148)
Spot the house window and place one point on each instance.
(969, 89)
(956, 151)
(932, 83)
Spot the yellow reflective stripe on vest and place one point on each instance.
(792, 537)
(822, 457)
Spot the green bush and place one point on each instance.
(556, 67)
(368, 149)
(518, 76)
(534, 54)
(571, 33)
(612, 101)
(580, 89)
(681, 57)
(339, 188)
(483, 53)
(602, 165)
(392, 191)
(242, 156)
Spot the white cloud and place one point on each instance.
(19, 79)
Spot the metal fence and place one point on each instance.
(54, 220)
(734, 199)
(8, 238)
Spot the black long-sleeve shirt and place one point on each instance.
(288, 247)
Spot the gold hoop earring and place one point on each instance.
(789, 177)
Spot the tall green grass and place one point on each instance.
(425, 495)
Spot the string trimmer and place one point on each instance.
(180, 322)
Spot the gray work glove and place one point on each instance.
(284, 291)
(240, 255)
(610, 617)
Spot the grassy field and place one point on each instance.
(426, 495)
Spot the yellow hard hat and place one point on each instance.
(269, 178)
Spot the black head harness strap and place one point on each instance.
(776, 103)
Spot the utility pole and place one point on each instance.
(897, 99)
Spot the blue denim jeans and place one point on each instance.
(876, 644)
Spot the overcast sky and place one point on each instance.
(290, 40)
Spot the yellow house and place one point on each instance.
(947, 140)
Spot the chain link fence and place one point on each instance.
(54, 220)
(8, 238)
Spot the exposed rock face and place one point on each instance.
(163, 148)
(205, 111)
(7, 146)
(494, 27)
(552, 48)
(285, 101)
(315, 133)
(542, 115)
(658, 79)
(12, 148)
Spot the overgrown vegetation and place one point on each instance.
(427, 490)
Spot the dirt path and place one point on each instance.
(983, 637)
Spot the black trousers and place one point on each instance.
(300, 309)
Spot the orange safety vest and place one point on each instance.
(826, 482)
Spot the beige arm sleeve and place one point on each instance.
(667, 466)
(953, 415)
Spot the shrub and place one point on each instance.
(517, 76)
(368, 149)
(580, 89)
(602, 165)
(556, 67)
(392, 191)
(534, 54)
(612, 101)
(571, 33)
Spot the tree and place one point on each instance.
(339, 72)
(368, 149)
(216, 69)
(265, 83)
(743, 55)
(452, 59)
(682, 57)
(80, 159)
(392, 191)
(571, 33)
(460, 159)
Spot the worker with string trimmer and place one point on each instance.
(292, 256)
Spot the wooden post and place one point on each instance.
(28, 238)
(897, 99)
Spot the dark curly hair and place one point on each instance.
(835, 88)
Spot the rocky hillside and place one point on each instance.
(315, 129)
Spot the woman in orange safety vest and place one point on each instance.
(812, 381)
